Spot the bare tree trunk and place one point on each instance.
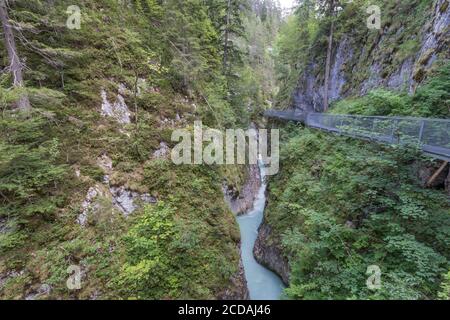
(327, 69)
(136, 84)
(227, 35)
(15, 65)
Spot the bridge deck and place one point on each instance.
(432, 136)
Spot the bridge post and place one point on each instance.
(394, 128)
(372, 130)
(422, 127)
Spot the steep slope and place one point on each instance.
(413, 41)
(339, 206)
(342, 208)
(87, 188)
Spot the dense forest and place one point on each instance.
(338, 205)
(91, 92)
(102, 103)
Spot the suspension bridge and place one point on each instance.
(431, 136)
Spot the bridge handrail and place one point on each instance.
(431, 135)
(287, 112)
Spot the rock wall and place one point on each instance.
(242, 202)
(357, 69)
(124, 200)
(238, 290)
(269, 254)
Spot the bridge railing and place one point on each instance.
(431, 135)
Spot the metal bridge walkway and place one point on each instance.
(432, 136)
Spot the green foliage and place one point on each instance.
(148, 272)
(10, 240)
(191, 34)
(408, 49)
(292, 50)
(339, 206)
(302, 44)
(172, 244)
(445, 293)
(168, 57)
(431, 100)
(29, 173)
(378, 102)
(353, 204)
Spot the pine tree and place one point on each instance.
(227, 17)
(192, 38)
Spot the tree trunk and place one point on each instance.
(227, 35)
(15, 66)
(327, 69)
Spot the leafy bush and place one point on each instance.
(148, 272)
(379, 102)
(340, 205)
(445, 293)
(431, 100)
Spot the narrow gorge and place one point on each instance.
(108, 191)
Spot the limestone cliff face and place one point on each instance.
(269, 253)
(377, 60)
(241, 203)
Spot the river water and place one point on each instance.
(262, 283)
